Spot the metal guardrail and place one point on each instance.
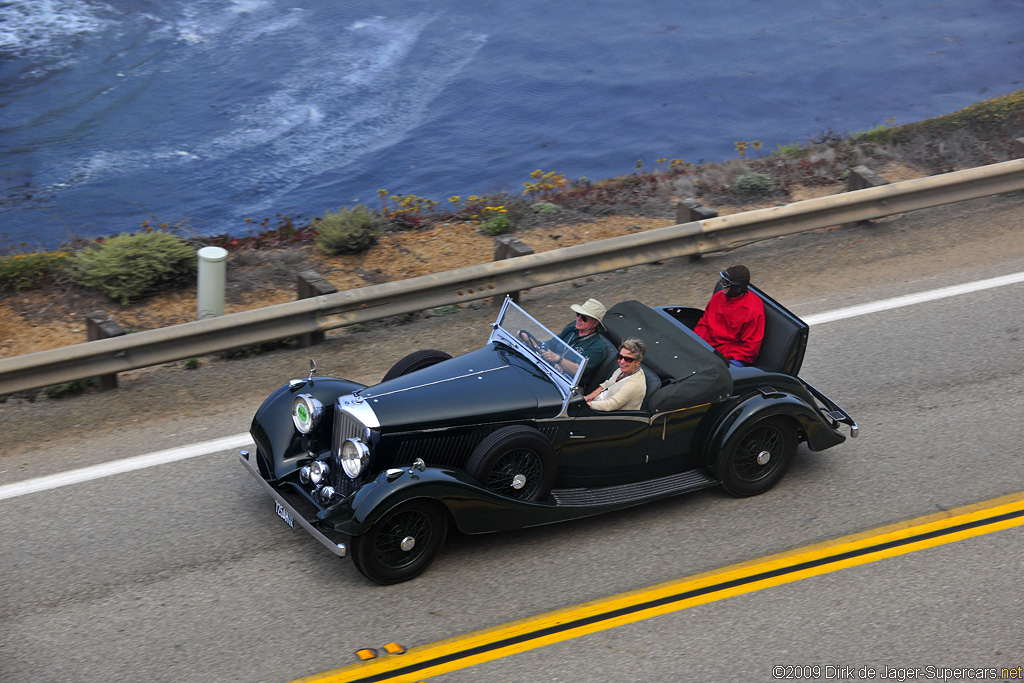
(326, 312)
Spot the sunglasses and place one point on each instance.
(628, 359)
(584, 318)
(725, 279)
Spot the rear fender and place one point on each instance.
(812, 426)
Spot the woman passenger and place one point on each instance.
(626, 388)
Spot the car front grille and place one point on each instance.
(345, 427)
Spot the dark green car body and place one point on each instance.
(421, 432)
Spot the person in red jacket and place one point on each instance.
(733, 321)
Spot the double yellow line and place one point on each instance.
(421, 662)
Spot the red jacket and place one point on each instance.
(734, 326)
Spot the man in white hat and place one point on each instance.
(582, 335)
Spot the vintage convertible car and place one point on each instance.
(500, 439)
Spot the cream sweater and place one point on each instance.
(627, 394)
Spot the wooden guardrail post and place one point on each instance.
(99, 325)
(508, 246)
(310, 284)
(1018, 148)
(690, 210)
(861, 178)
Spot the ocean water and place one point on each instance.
(209, 112)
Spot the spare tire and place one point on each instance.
(417, 360)
(516, 461)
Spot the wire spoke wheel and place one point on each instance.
(756, 459)
(759, 453)
(402, 543)
(515, 461)
(516, 473)
(403, 540)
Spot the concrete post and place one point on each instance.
(690, 210)
(507, 246)
(99, 325)
(861, 178)
(213, 268)
(310, 284)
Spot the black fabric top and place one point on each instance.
(691, 373)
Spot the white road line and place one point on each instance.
(911, 299)
(139, 462)
(241, 440)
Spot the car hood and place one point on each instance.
(492, 384)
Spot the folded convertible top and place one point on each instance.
(690, 371)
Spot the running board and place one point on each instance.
(631, 493)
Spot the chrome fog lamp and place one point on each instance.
(306, 413)
(304, 474)
(318, 470)
(354, 456)
(326, 494)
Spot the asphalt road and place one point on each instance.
(182, 572)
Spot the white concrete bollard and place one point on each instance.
(213, 268)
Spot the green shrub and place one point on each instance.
(754, 185)
(498, 225)
(545, 207)
(880, 134)
(347, 231)
(132, 266)
(27, 271)
(74, 388)
(793, 150)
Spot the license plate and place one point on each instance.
(284, 514)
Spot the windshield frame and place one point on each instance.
(511, 321)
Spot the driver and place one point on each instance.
(626, 388)
(582, 335)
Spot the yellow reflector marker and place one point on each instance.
(565, 624)
(394, 649)
(366, 654)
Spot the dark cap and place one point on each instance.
(738, 275)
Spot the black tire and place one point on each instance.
(380, 553)
(515, 461)
(773, 442)
(417, 360)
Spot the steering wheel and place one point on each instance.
(531, 340)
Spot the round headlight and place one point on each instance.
(318, 470)
(306, 412)
(304, 474)
(354, 456)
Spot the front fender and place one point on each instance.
(818, 432)
(473, 508)
(277, 440)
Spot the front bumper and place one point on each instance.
(338, 549)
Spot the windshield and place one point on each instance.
(540, 345)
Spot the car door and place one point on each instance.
(604, 449)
